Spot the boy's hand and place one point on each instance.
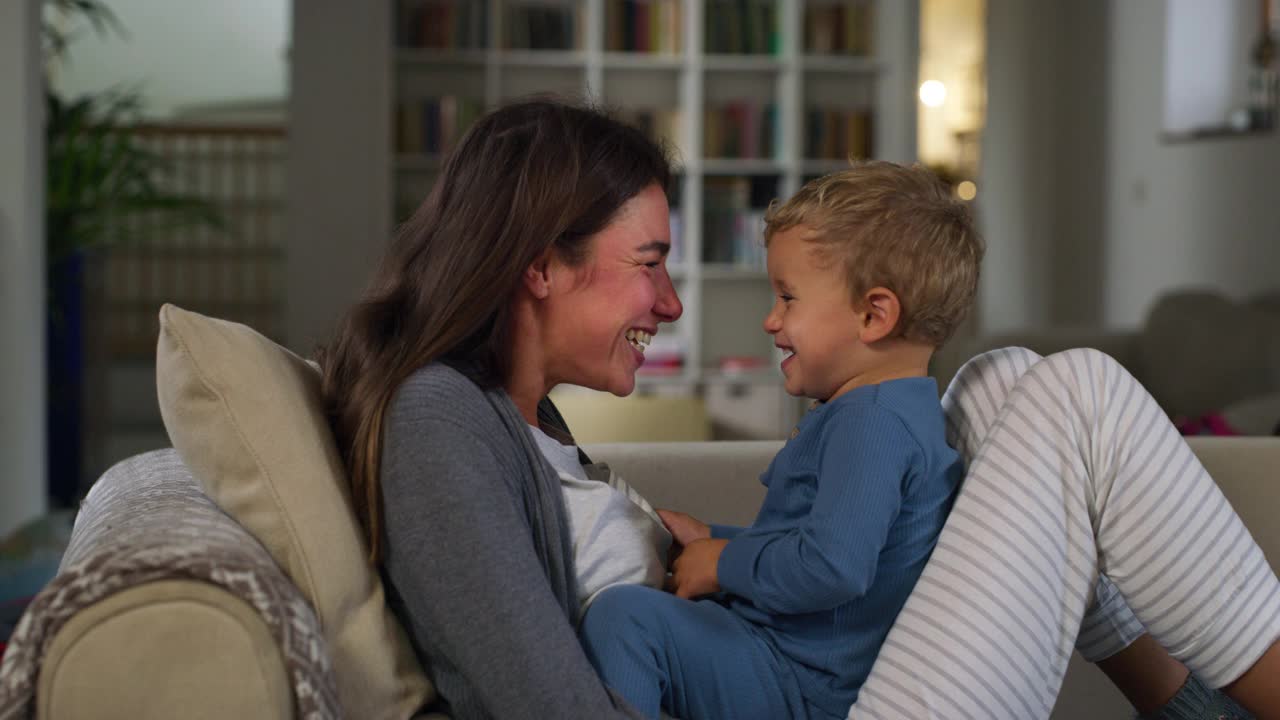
(684, 528)
(694, 572)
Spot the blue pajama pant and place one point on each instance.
(695, 660)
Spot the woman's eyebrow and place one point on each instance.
(662, 248)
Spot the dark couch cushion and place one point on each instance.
(1201, 352)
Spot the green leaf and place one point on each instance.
(98, 172)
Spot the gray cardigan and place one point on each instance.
(478, 561)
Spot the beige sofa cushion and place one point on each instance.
(245, 415)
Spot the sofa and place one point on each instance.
(1198, 353)
(225, 577)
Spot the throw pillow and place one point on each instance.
(1256, 415)
(245, 415)
(1201, 352)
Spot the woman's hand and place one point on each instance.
(684, 528)
(694, 572)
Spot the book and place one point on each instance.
(442, 24)
(745, 27)
(837, 134)
(840, 28)
(733, 219)
(643, 26)
(742, 129)
(432, 126)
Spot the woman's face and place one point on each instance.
(599, 320)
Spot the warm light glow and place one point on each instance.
(933, 93)
(967, 190)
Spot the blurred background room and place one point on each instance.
(250, 159)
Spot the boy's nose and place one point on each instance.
(772, 321)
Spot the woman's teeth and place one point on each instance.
(639, 339)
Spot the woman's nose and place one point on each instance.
(667, 305)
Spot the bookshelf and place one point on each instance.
(754, 96)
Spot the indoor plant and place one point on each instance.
(97, 175)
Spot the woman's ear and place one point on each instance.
(880, 311)
(537, 277)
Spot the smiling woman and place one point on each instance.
(539, 258)
(593, 322)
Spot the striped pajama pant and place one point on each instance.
(1084, 521)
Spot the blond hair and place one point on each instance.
(896, 227)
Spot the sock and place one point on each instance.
(1195, 701)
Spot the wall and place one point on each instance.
(181, 54)
(336, 223)
(1039, 201)
(1089, 215)
(1201, 213)
(1079, 202)
(22, 403)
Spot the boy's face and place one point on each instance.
(813, 319)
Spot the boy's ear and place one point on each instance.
(537, 277)
(880, 312)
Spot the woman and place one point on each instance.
(538, 259)
(535, 261)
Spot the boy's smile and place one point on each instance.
(813, 320)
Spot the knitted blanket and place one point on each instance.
(146, 520)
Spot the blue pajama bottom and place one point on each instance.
(695, 660)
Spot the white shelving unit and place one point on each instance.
(724, 303)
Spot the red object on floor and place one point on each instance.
(2, 647)
(1208, 424)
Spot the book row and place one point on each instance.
(644, 26)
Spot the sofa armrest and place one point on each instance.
(1119, 344)
(1245, 469)
(171, 648)
(165, 607)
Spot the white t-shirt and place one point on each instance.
(617, 536)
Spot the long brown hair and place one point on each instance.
(525, 177)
